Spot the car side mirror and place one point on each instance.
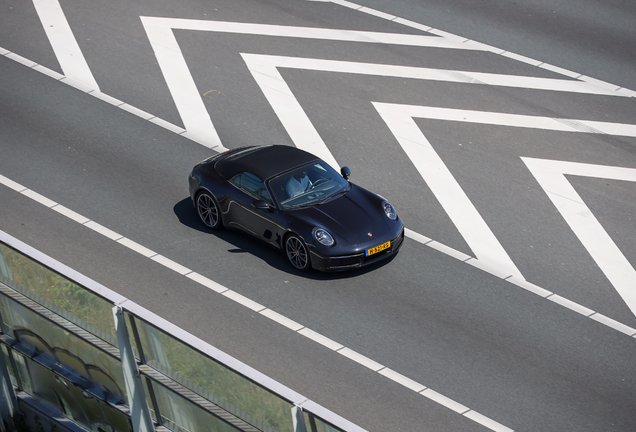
(346, 172)
(261, 205)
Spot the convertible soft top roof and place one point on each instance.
(263, 161)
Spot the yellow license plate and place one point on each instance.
(378, 248)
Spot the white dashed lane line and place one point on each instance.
(257, 307)
(310, 334)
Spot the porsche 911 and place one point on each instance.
(298, 204)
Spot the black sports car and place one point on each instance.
(298, 203)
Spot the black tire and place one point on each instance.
(297, 253)
(208, 210)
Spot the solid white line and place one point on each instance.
(570, 305)
(487, 422)
(78, 84)
(360, 359)
(167, 125)
(242, 300)
(136, 111)
(322, 340)
(494, 270)
(264, 63)
(613, 324)
(282, 320)
(189, 102)
(443, 400)
(377, 13)
(137, 247)
(67, 51)
(208, 283)
(103, 230)
(402, 380)
(39, 198)
(413, 24)
(106, 98)
(171, 264)
(167, 24)
(447, 250)
(534, 289)
(11, 184)
(512, 120)
(18, 58)
(416, 236)
(46, 71)
(70, 214)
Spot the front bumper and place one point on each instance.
(346, 262)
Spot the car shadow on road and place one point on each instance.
(244, 243)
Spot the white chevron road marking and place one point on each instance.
(551, 176)
(63, 41)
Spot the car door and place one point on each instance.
(261, 223)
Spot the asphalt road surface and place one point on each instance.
(503, 132)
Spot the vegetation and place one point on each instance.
(59, 291)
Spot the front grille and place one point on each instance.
(362, 260)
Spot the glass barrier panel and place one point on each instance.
(179, 414)
(63, 347)
(322, 426)
(63, 296)
(214, 381)
(72, 402)
(7, 362)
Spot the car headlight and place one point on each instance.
(389, 210)
(323, 237)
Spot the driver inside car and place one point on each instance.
(297, 186)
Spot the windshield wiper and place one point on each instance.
(332, 197)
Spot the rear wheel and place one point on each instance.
(208, 210)
(297, 253)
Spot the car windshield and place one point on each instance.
(310, 184)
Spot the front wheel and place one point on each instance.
(297, 253)
(208, 210)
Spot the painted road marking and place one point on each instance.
(443, 400)
(449, 38)
(401, 379)
(490, 254)
(484, 47)
(265, 63)
(257, 307)
(451, 196)
(551, 176)
(199, 125)
(487, 422)
(343, 35)
(183, 89)
(312, 335)
(322, 340)
(511, 120)
(63, 42)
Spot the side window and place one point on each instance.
(252, 185)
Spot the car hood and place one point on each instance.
(356, 216)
